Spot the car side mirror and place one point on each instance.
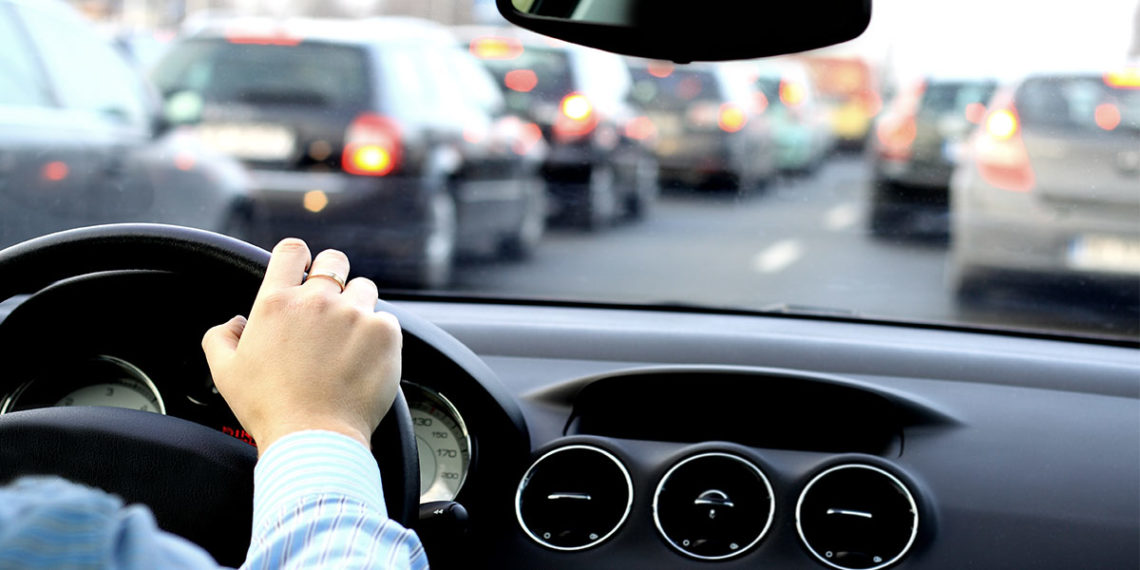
(691, 30)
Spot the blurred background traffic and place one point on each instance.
(957, 163)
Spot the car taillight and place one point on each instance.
(896, 137)
(372, 146)
(496, 48)
(975, 112)
(1107, 116)
(898, 129)
(641, 129)
(731, 118)
(576, 117)
(1000, 152)
(792, 94)
(521, 80)
(1127, 78)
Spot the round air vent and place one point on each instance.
(713, 506)
(574, 497)
(857, 517)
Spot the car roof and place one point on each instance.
(368, 31)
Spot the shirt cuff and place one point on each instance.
(307, 463)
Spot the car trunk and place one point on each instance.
(277, 106)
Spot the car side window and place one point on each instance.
(88, 74)
(21, 81)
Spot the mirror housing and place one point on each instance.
(691, 30)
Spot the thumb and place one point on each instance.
(221, 341)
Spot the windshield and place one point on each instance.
(958, 164)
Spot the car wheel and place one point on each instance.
(646, 187)
(599, 209)
(521, 243)
(439, 248)
(885, 219)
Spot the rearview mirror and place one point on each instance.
(694, 30)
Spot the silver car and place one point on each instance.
(1051, 191)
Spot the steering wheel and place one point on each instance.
(198, 481)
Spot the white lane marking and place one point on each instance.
(778, 256)
(841, 217)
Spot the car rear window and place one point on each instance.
(1078, 103)
(535, 73)
(677, 89)
(952, 98)
(306, 74)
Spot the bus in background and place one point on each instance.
(849, 94)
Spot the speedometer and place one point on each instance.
(443, 443)
(99, 381)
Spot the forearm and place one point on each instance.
(318, 501)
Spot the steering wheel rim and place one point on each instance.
(32, 265)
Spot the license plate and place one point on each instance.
(249, 141)
(1105, 253)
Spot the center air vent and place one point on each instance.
(713, 506)
(574, 497)
(857, 517)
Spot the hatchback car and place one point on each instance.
(82, 140)
(1050, 194)
(599, 169)
(710, 130)
(917, 143)
(368, 135)
(800, 131)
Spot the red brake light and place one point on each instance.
(660, 69)
(640, 128)
(975, 112)
(731, 118)
(372, 146)
(896, 137)
(576, 117)
(1107, 116)
(56, 171)
(267, 40)
(999, 151)
(496, 48)
(521, 80)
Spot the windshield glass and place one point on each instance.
(956, 164)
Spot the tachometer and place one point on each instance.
(443, 443)
(99, 381)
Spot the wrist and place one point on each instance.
(271, 436)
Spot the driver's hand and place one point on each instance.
(310, 356)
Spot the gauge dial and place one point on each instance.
(123, 386)
(443, 443)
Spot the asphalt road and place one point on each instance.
(802, 242)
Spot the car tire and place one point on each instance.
(884, 220)
(599, 208)
(435, 270)
(647, 187)
(523, 241)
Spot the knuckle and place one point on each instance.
(291, 244)
(277, 300)
(386, 324)
(319, 301)
(334, 255)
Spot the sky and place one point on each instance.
(997, 37)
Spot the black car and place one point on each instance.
(916, 146)
(363, 135)
(709, 128)
(600, 167)
(81, 142)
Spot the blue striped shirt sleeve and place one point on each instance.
(318, 502)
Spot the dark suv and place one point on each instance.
(600, 167)
(917, 143)
(80, 139)
(376, 136)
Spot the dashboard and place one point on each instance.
(575, 437)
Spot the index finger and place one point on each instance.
(287, 266)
